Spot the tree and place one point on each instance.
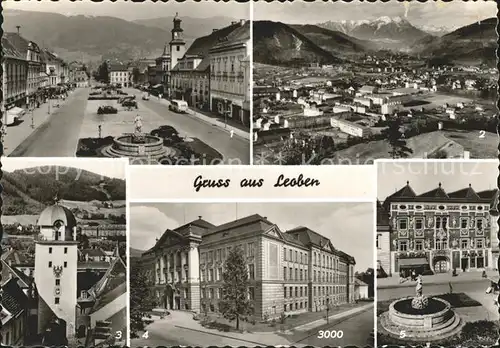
(395, 137)
(235, 302)
(135, 75)
(103, 73)
(140, 301)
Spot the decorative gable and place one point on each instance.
(275, 232)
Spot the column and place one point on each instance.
(167, 265)
(157, 280)
(174, 265)
(162, 274)
(193, 261)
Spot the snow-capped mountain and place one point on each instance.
(390, 32)
(435, 30)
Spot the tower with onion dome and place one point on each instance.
(56, 258)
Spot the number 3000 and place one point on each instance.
(330, 334)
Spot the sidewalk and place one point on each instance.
(17, 134)
(207, 119)
(338, 316)
(440, 278)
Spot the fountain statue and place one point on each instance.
(419, 301)
(138, 136)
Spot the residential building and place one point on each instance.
(230, 75)
(289, 271)
(119, 75)
(57, 70)
(14, 77)
(191, 75)
(349, 128)
(35, 69)
(438, 231)
(14, 313)
(360, 290)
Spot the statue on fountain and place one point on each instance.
(138, 136)
(419, 301)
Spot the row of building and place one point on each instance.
(29, 69)
(213, 74)
(289, 271)
(437, 231)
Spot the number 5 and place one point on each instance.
(482, 134)
(402, 334)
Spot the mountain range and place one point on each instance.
(28, 191)
(94, 38)
(277, 43)
(386, 32)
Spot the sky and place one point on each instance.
(105, 167)
(350, 226)
(450, 15)
(133, 11)
(426, 176)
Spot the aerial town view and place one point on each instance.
(125, 80)
(63, 253)
(348, 83)
(437, 254)
(237, 274)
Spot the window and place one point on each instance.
(58, 282)
(419, 223)
(284, 254)
(296, 274)
(291, 255)
(479, 224)
(441, 222)
(50, 250)
(464, 243)
(56, 300)
(419, 245)
(251, 271)
(83, 294)
(301, 274)
(296, 291)
(65, 250)
(314, 275)
(291, 275)
(291, 291)
(402, 245)
(251, 293)
(178, 48)
(464, 223)
(305, 291)
(284, 273)
(479, 243)
(402, 224)
(50, 264)
(219, 275)
(305, 274)
(376, 242)
(211, 275)
(284, 292)
(296, 256)
(65, 264)
(250, 249)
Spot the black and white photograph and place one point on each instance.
(437, 253)
(63, 259)
(352, 82)
(158, 83)
(252, 274)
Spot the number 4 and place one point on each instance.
(482, 134)
(145, 335)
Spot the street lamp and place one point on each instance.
(32, 109)
(327, 309)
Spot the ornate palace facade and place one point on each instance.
(436, 231)
(293, 271)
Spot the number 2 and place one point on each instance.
(482, 134)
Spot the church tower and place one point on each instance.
(177, 44)
(56, 267)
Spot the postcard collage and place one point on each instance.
(249, 174)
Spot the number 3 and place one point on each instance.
(482, 134)
(118, 335)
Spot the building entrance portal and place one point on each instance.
(169, 297)
(441, 264)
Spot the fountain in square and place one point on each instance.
(138, 145)
(421, 318)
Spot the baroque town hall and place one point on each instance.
(291, 272)
(436, 231)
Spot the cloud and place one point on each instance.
(147, 224)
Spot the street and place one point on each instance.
(180, 330)
(77, 118)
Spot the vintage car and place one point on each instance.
(145, 96)
(169, 134)
(129, 103)
(106, 109)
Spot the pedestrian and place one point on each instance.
(413, 275)
(231, 133)
(451, 288)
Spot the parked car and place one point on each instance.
(128, 97)
(145, 96)
(106, 109)
(129, 103)
(168, 133)
(180, 106)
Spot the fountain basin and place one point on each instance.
(150, 147)
(434, 322)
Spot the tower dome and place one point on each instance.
(57, 223)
